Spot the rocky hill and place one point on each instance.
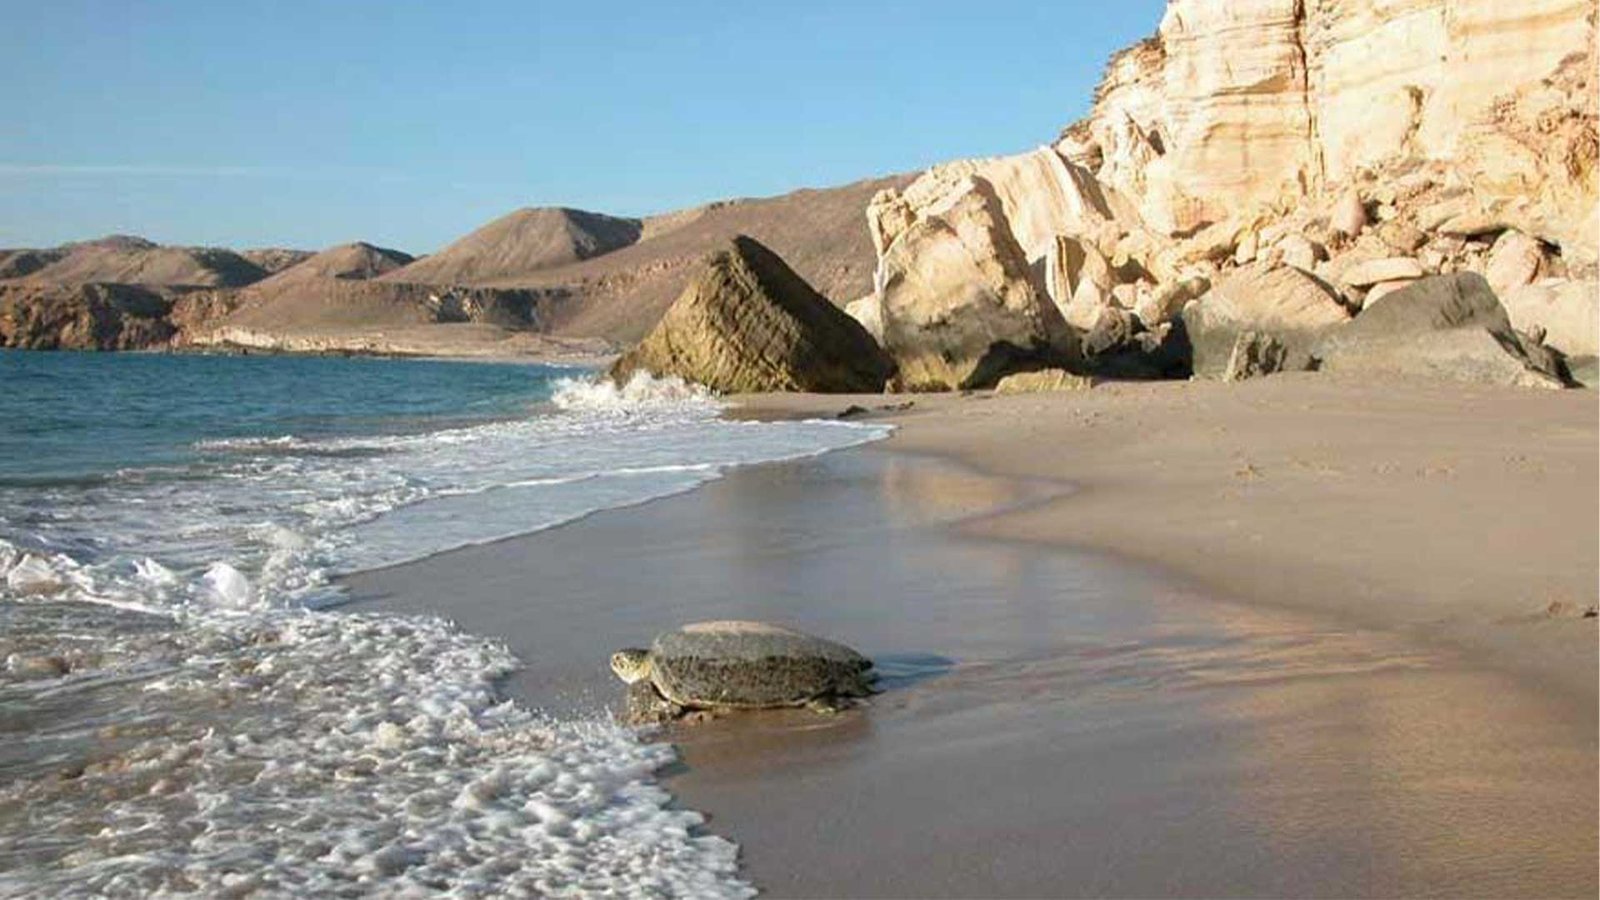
(582, 280)
(347, 262)
(820, 233)
(122, 259)
(524, 242)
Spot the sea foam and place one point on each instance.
(204, 723)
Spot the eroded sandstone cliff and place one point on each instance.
(1365, 143)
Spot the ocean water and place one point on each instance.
(183, 705)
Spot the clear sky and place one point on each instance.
(306, 124)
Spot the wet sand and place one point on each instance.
(1060, 722)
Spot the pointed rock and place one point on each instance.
(747, 323)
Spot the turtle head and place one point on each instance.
(632, 664)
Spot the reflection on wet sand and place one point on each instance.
(1090, 730)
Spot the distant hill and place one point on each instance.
(524, 242)
(562, 273)
(273, 260)
(821, 233)
(121, 259)
(347, 262)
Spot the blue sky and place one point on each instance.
(408, 124)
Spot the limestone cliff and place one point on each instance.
(1343, 138)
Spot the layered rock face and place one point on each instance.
(1365, 144)
(747, 323)
(1249, 102)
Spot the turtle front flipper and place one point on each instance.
(646, 706)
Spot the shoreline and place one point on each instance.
(1543, 629)
(1063, 718)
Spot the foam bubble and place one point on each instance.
(314, 752)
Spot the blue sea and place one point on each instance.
(183, 705)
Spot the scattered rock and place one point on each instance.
(1042, 381)
(1513, 262)
(1349, 216)
(1394, 268)
(1300, 252)
(748, 323)
(1249, 246)
(1169, 300)
(1402, 238)
(1077, 276)
(1112, 331)
(1126, 296)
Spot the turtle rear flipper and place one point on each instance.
(828, 706)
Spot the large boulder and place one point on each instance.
(1286, 304)
(1449, 326)
(747, 323)
(958, 304)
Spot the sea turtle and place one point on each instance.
(739, 665)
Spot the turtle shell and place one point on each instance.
(752, 665)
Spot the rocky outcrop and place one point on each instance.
(83, 317)
(956, 295)
(1043, 381)
(1367, 145)
(748, 323)
(1443, 327)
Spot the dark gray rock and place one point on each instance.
(1448, 326)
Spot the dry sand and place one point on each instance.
(1315, 662)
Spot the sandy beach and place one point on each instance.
(1299, 636)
